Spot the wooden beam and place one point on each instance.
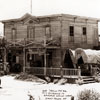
(45, 61)
(5, 54)
(24, 60)
(24, 57)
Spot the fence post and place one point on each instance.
(61, 71)
(79, 71)
(91, 69)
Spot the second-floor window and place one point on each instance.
(84, 36)
(84, 31)
(47, 31)
(31, 33)
(71, 30)
(71, 34)
(13, 33)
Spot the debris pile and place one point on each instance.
(29, 77)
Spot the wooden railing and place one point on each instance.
(53, 71)
(35, 70)
(69, 71)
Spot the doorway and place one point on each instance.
(35, 60)
(85, 68)
(13, 60)
(68, 63)
(80, 61)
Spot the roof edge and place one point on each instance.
(52, 15)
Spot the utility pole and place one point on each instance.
(31, 7)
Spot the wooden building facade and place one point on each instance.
(41, 45)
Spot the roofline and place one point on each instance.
(69, 15)
(53, 15)
(17, 19)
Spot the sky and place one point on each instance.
(10, 9)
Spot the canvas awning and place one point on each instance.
(88, 55)
(93, 56)
(80, 53)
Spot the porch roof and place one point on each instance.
(34, 43)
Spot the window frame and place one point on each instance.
(48, 31)
(14, 32)
(71, 30)
(31, 32)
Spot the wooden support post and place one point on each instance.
(5, 61)
(5, 54)
(61, 70)
(91, 70)
(45, 63)
(24, 60)
(24, 56)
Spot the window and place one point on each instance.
(47, 32)
(71, 34)
(84, 37)
(71, 30)
(31, 32)
(84, 30)
(13, 33)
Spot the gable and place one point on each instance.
(23, 18)
(30, 20)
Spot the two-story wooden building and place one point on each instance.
(41, 44)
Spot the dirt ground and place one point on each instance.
(13, 89)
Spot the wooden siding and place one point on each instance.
(55, 28)
(40, 32)
(21, 31)
(56, 58)
(78, 38)
(59, 28)
(8, 31)
(64, 33)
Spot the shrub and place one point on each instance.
(88, 95)
(31, 97)
(97, 78)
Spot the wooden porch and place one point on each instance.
(54, 72)
(46, 70)
(58, 72)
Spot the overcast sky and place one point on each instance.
(10, 9)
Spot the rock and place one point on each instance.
(48, 79)
(62, 81)
(55, 81)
